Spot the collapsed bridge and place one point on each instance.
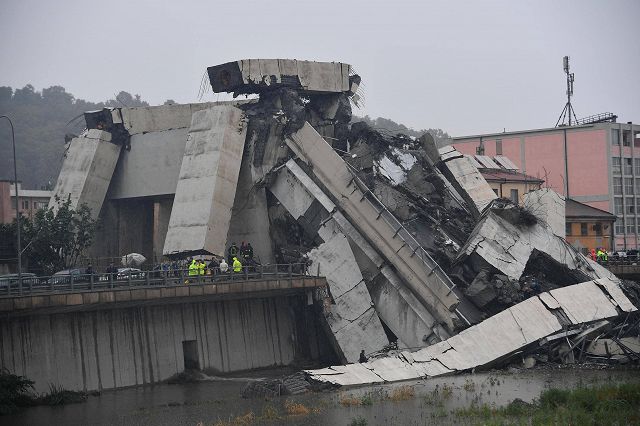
(413, 243)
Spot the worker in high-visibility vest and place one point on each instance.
(237, 266)
(193, 270)
(201, 267)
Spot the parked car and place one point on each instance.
(11, 280)
(135, 273)
(64, 276)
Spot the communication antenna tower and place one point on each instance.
(568, 111)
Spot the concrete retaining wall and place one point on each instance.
(123, 347)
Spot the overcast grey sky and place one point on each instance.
(465, 66)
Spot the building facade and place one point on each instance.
(595, 164)
(30, 201)
(587, 227)
(511, 184)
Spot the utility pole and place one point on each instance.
(15, 184)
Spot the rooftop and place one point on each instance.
(508, 176)
(577, 209)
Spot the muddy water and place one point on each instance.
(408, 403)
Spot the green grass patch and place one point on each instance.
(603, 405)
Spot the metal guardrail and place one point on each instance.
(37, 285)
(402, 232)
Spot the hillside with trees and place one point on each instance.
(43, 119)
(390, 126)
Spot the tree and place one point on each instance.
(390, 126)
(54, 240)
(41, 120)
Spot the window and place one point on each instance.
(637, 163)
(498, 146)
(615, 137)
(40, 205)
(514, 196)
(567, 229)
(637, 186)
(617, 185)
(628, 186)
(636, 139)
(615, 163)
(598, 228)
(628, 166)
(631, 225)
(626, 138)
(619, 226)
(25, 204)
(617, 205)
(583, 229)
(629, 205)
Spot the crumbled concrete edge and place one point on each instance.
(492, 340)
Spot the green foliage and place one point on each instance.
(604, 405)
(41, 120)
(54, 240)
(385, 124)
(358, 421)
(14, 392)
(59, 396)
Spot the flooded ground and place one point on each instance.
(408, 403)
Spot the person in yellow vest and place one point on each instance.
(201, 267)
(193, 270)
(237, 266)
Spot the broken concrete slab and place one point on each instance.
(466, 179)
(207, 184)
(87, 171)
(398, 307)
(508, 247)
(424, 276)
(482, 345)
(254, 75)
(548, 206)
(587, 305)
(353, 321)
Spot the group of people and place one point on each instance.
(236, 256)
(599, 255)
(243, 253)
(239, 255)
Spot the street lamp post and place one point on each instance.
(15, 184)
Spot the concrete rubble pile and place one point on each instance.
(417, 251)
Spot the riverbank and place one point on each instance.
(444, 400)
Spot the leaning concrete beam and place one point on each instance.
(87, 171)
(253, 75)
(352, 319)
(207, 184)
(423, 275)
(400, 309)
(512, 330)
(466, 179)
